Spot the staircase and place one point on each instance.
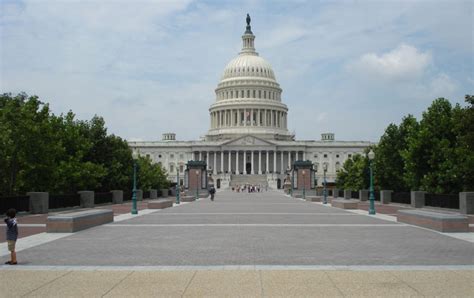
(248, 179)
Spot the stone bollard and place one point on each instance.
(87, 198)
(335, 193)
(347, 194)
(386, 196)
(417, 199)
(39, 202)
(153, 194)
(363, 195)
(466, 202)
(139, 195)
(117, 196)
(164, 192)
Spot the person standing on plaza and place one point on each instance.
(212, 191)
(12, 235)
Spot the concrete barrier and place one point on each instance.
(153, 194)
(39, 202)
(386, 196)
(347, 194)
(139, 194)
(164, 192)
(87, 198)
(417, 199)
(77, 221)
(335, 193)
(466, 202)
(117, 196)
(443, 222)
(363, 195)
(187, 199)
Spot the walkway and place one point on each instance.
(258, 244)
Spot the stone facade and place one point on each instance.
(248, 132)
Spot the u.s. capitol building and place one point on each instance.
(248, 140)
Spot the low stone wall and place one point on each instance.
(77, 221)
(187, 199)
(160, 204)
(344, 204)
(442, 222)
(314, 199)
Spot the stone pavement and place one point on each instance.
(259, 244)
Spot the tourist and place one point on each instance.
(212, 191)
(12, 235)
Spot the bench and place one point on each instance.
(442, 222)
(187, 199)
(160, 204)
(314, 199)
(76, 221)
(344, 204)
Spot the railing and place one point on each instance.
(450, 201)
(146, 194)
(340, 193)
(376, 195)
(19, 203)
(127, 195)
(354, 194)
(401, 197)
(64, 201)
(103, 197)
(329, 192)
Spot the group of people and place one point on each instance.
(249, 188)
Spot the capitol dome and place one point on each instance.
(248, 98)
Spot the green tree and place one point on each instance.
(150, 175)
(354, 173)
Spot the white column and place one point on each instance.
(260, 162)
(207, 158)
(258, 117)
(282, 170)
(304, 155)
(215, 163)
(237, 162)
(245, 163)
(222, 161)
(229, 169)
(200, 156)
(245, 121)
(251, 117)
(289, 159)
(232, 118)
(266, 164)
(274, 161)
(251, 163)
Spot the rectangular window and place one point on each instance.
(253, 93)
(259, 93)
(265, 94)
(181, 168)
(248, 93)
(242, 93)
(171, 168)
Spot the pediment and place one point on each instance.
(248, 141)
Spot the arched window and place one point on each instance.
(242, 93)
(253, 93)
(265, 94)
(259, 93)
(236, 94)
(248, 93)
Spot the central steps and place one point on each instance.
(248, 179)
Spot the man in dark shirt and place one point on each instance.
(12, 235)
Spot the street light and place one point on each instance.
(304, 184)
(325, 193)
(177, 186)
(371, 156)
(197, 184)
(134, 191)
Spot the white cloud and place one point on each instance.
(402, 63)
(442, 86)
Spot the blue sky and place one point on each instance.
(149, 67)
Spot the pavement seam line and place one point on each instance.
(189, 283)
(334, 283)
(407, 284)
(262, 291)
(49, 282)
(119, 282)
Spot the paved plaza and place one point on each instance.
(257, 244)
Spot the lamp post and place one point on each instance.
(134, 191)
(304, 184)
(371, 156)
(197, 184)
(325, 193)
(177, 187)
